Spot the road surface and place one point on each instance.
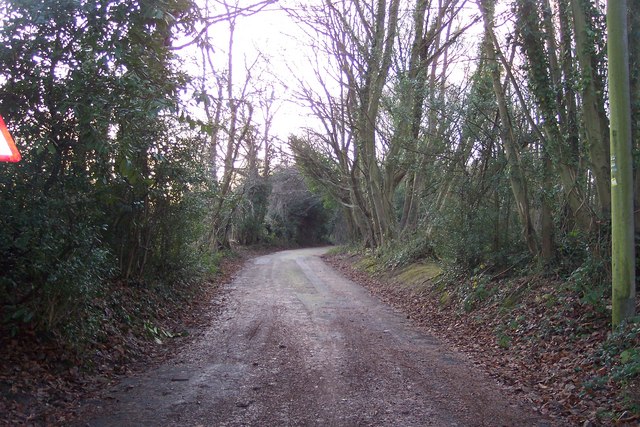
(297, 344)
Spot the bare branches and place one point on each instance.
(231, 13)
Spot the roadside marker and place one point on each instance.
(8, 150)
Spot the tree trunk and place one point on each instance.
(634, 82)
(564, 156)
(547, 246)
(377, 71)
(516, 176)
(622, 227)
(409, 127)
(595, 119)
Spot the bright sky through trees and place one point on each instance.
(273, 40)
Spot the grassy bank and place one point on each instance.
(543, 338)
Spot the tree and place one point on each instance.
(373, 112)
(516, 175)
(229, 106)
(623, 255)
(561, 141)
(589, 37)
(92, 89)
(295, 214)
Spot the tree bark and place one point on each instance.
(409, 127)
(564, 156)
(516, 176)
(634, 83)
(378, 65)
(595, 119)
(622, 227)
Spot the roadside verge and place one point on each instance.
(533, 334)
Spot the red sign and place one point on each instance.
(8, 150)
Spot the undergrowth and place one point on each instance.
(620, 354)
(126, 322)
(557, 318)
(118, 314)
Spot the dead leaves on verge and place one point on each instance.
(544, 346)
(43, 379)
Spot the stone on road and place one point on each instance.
(297, 344)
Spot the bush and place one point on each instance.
(296, 215)
(404, 252)
(54, 263)
(470, 236)
(621, 354)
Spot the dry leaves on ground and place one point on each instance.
(545, 348)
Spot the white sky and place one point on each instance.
(284, 47)
(273, 35)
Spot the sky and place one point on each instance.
(276, 38)
(284, 49)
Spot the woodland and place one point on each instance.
(474, 134)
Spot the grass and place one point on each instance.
(416, 276)
(368, 264)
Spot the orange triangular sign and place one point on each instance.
(8, 150)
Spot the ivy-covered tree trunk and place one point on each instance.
(547, 248)
(543, 77)
(634, 90)
(623, 255)
(595, 120)
(411, 115)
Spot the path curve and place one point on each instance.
(297, 344)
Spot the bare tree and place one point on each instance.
(517, 179)
(374, 150)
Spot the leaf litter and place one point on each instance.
(44, 378)
(534, 336)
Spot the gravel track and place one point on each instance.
(297, 344)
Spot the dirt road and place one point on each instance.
(297, 344)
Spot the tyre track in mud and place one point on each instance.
(297, 344)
